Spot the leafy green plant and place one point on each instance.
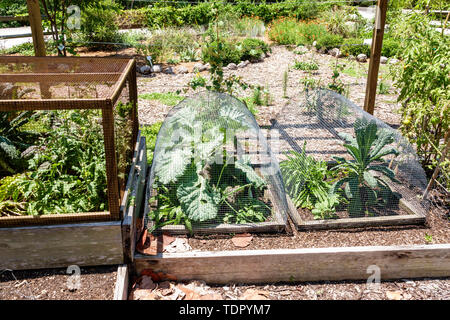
(355, 46)
(285, 82)
(337, 84)
(150, 133)
(14, 139)
(253, 49)
(326, 208)
(186, 171)
(424, 91)
(383, 87)
(329, 41)
(306, 65)
(368, 148)
(305, 179)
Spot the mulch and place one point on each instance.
(96, 283)
(437, 226)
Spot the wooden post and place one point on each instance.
(34, 14)
(375, 54)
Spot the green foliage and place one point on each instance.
(337, 84)
(168, 98)
(326, 209)
(189, 177)
(355, 46)
(336, 22)
(253, 49)
(305, 179)
(368, 148)
(329, 41)
(424, 91)
(66, 173)
(98, 22)
(291, 31)
(391, 48)
(306, 65)
(14, 139)
(221, 52)
(150, 133)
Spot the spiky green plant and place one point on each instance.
(363, 182)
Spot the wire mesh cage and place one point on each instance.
(68, 131)
(339, 162)
(213, 171)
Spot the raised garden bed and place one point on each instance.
(352, 171)
(211, 171)
(68, 92)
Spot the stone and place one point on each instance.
(156, 68)
(242, 64)
(302, 49)
(169, 70)
(383, 60)
(182, 70)
(145, 69)
(314, 44)
(367, 42)
(208, 66)
(200, 67)
(394, 61)
(232, 66)
(361, 57)
(335, 52)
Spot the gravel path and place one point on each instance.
(269, 73)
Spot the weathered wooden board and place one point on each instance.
(411, 219)
(278, 223)
(83, 244)
(121, 288)
(312, 264)
(134, 192)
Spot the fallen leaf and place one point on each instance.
(253, 294)
(143, 294)
(147, 283)
(242, 240)
(211, 296)
(158, 276)
(190, 294)
(394, 295)
(178, 245)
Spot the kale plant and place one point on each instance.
(196, 179)
(363, 180)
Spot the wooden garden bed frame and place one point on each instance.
(82, 244)
(300, 265)
(45, 71)
(277, 225)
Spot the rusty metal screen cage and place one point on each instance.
(91, 100)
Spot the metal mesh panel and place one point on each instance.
(213, 169)
(59, 78)
(123, 135)
(86, 88)
(338, 161)
(51, 162)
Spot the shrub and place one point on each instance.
(252, 49)
(329, 41)
(354, 46)
(424, 92)
(221, 52)
(291, 31)
(98, 22)
(391, 47)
